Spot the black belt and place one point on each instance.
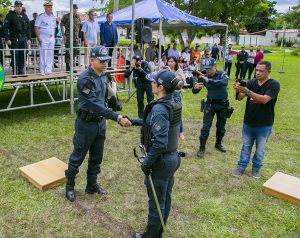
(217, 101)
(88, 116)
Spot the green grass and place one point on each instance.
(207, 200)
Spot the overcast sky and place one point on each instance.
(84, 5)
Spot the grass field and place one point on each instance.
(207, 200)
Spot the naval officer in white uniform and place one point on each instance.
(45, 26)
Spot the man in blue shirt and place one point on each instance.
(91, 34)
(216, 82)
(90, 125)
(173, 51)
(109, 34)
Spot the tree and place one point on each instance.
(261, 17)
(235, 13)
(4, 8)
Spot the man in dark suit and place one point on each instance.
(109, 34)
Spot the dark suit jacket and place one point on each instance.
(107, 38)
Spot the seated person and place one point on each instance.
(112, 99)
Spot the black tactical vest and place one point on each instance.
(175, 111)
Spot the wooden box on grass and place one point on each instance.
(45, 174)
(283, 186)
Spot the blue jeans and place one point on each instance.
(250, 134)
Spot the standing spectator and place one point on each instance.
(261, 93)
(154, 66)
(151, 52)
(140, 69)
(17, 36)
(162, 48)
(1, 40)
(197, 53)
(250, 63)
(258, 57)
(173, 52)
(228, 59)
(192, 67)
(65, 26)
(32, 22)
(220, 51)
(45, 26)
(163, 62)
(91, 34)
(58, 43)
(186, 54)
(109, 34)
(204, 60)
(215, 51)
(174, 68)
(137, 51)
(242, 58)
(207, 47)
(166, 51)
(217, 103)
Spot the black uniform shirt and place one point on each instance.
(16, 26)
(258, 114)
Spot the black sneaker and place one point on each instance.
(238, 172)
(255, 174)
(90, 189)
(70, 195)
(200, 153)
(138, 235)
(220, 147)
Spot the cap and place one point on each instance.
(209, 63)
(18, 2)
(100, 52)
(48, 3)
(163, 77)
(137, 57)
(75, 6)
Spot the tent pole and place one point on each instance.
(71, 60)
(131, 46)
(160, 39)
(225, 45)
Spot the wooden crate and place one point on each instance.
(45, 174)
(283, 186)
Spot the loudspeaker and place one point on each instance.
(143, 30)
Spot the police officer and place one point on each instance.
(242, 58)
(161, 124)
(17, 36)
(215, 82)
(90, 124)
(140, 69)
(65, 26)
(45, 26)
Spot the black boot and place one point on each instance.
(138, 235)
(201, 150)
(95, 188)
(70, 193)
(219, 146)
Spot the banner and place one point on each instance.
(1, 77)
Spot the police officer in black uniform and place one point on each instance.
(90, 124)
(216, 82)
(140, 69)
(17, 36)
(161, 124)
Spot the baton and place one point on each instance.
(141, 159)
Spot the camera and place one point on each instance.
(137, 65)
(242, 83)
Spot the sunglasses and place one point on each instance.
(103, 61)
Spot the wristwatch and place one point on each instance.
(119, 118)
(248, 92)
